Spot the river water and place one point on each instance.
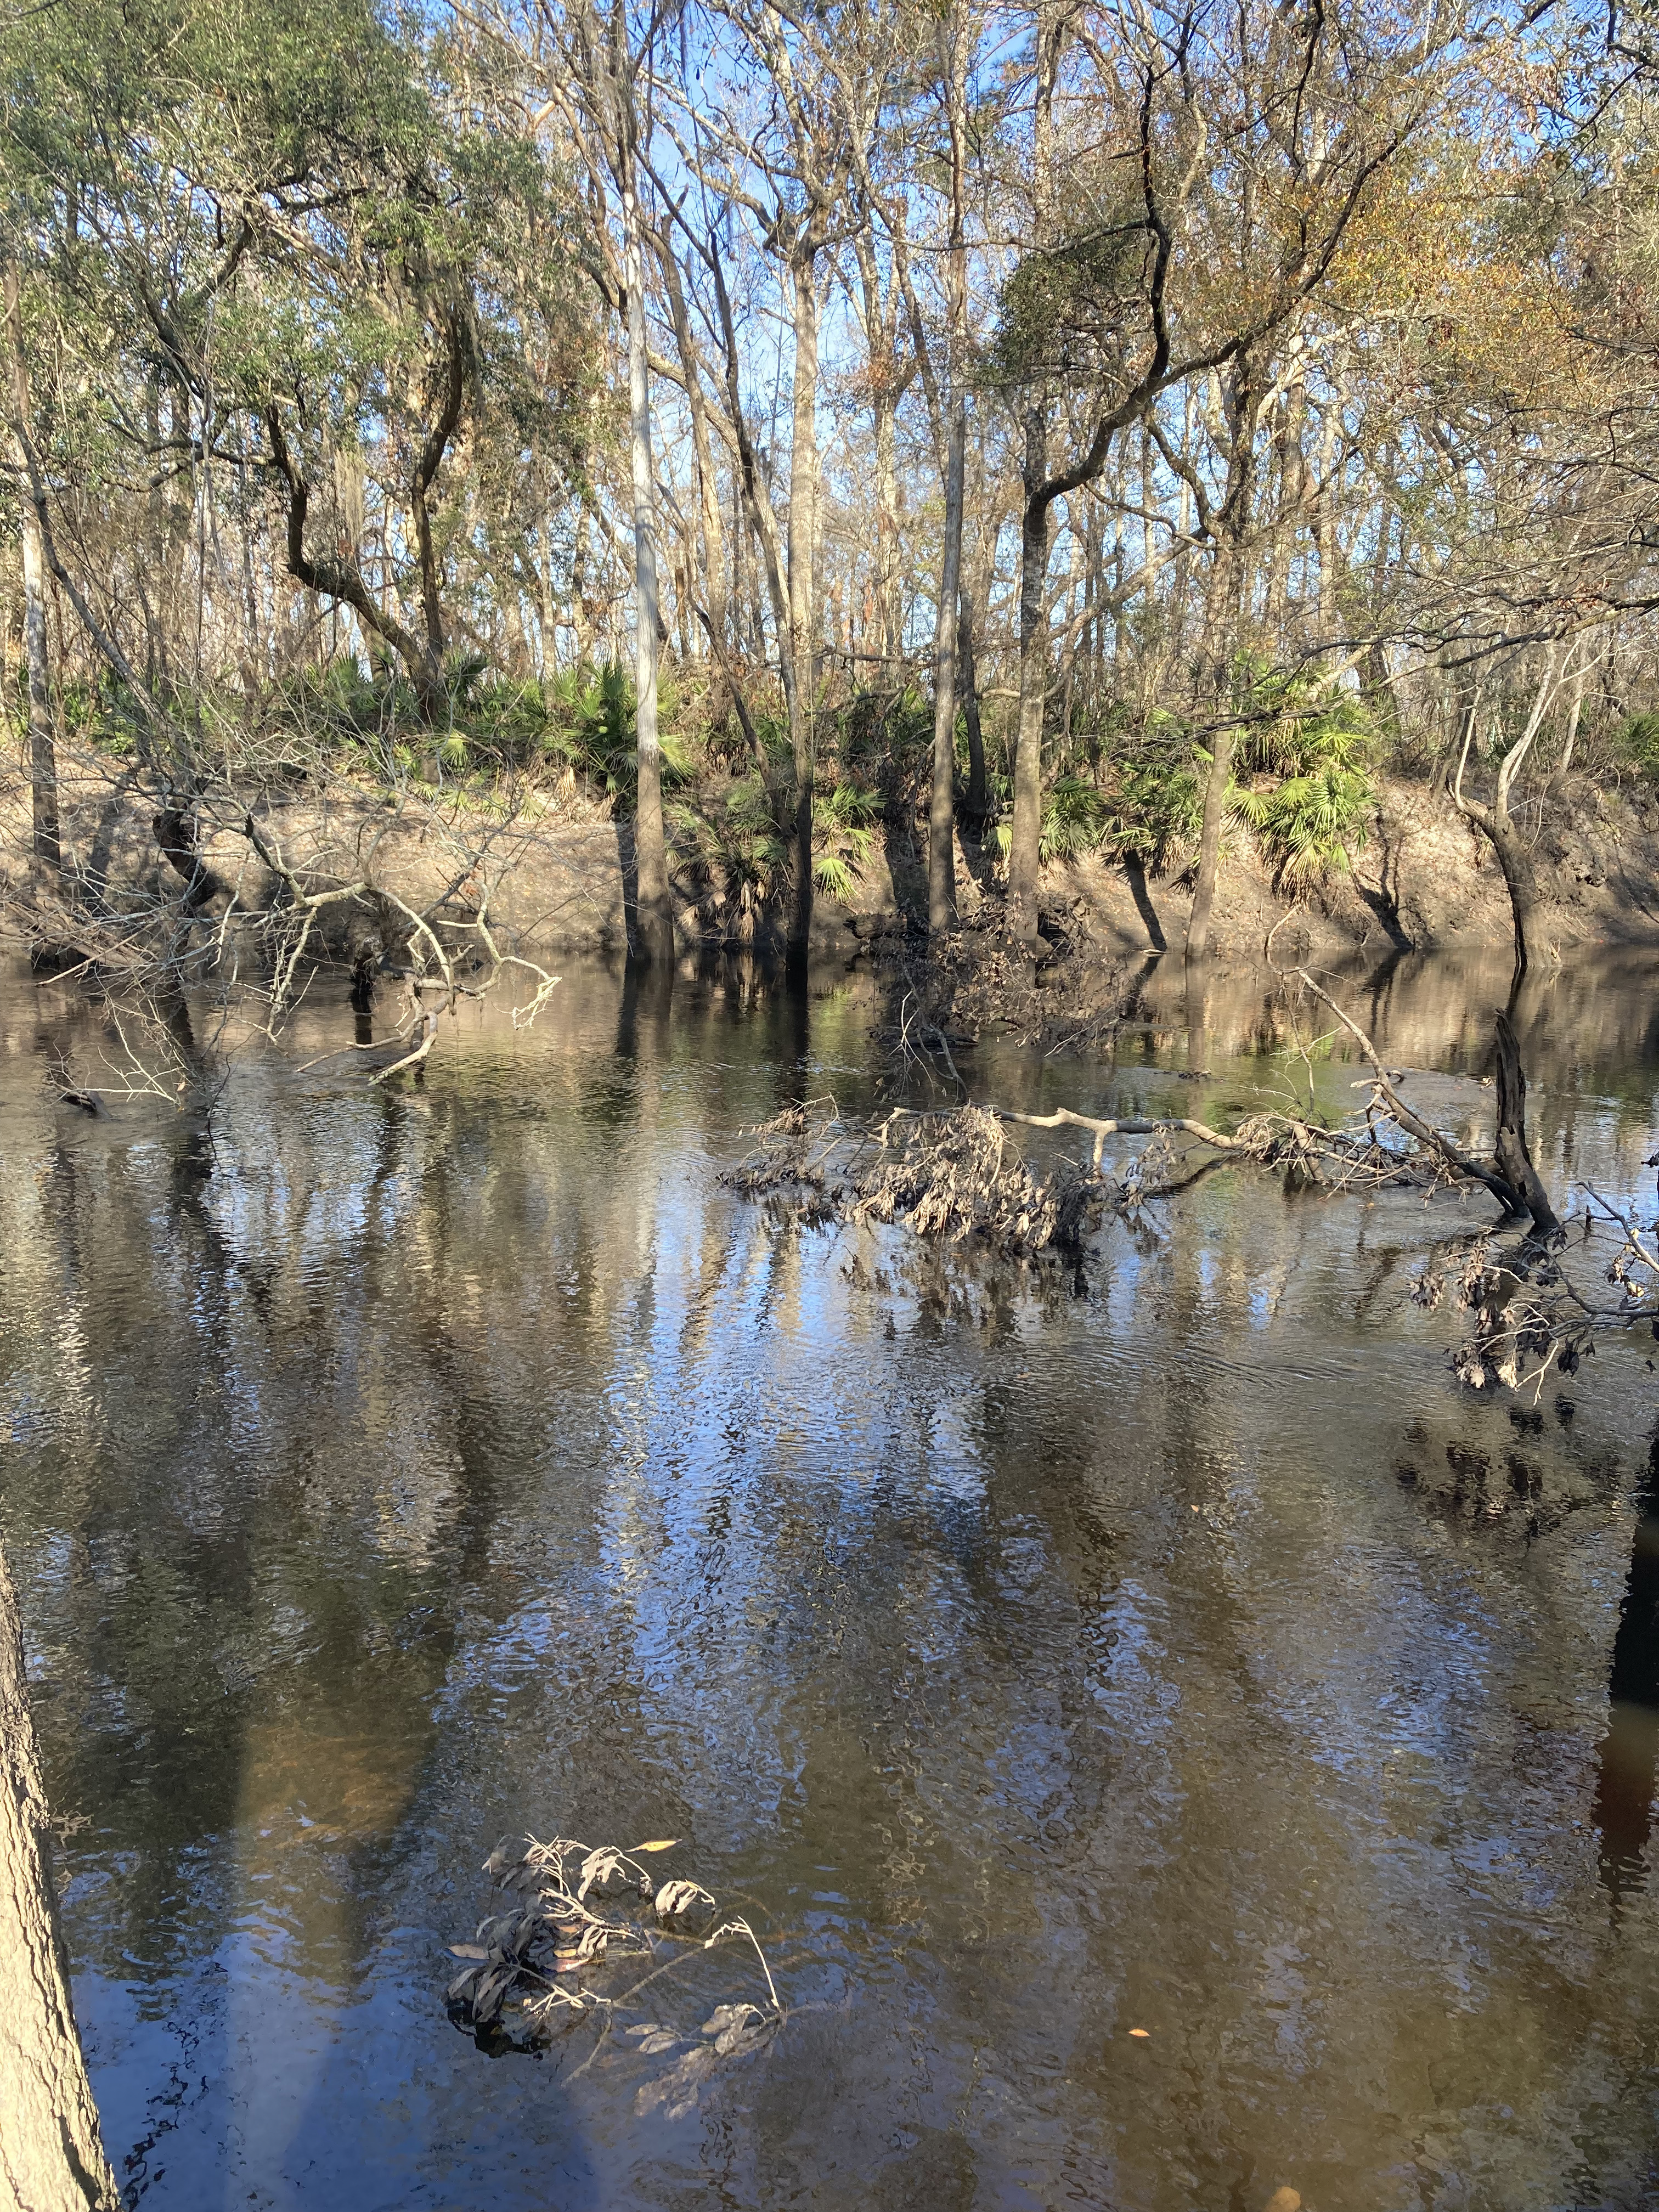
(389, 1471)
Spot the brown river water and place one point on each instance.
(385, 1471)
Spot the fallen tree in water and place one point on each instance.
(956, 1177)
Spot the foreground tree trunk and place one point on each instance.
(51, 2154)
(43, 760)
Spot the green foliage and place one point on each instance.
(1157, 807)
(1074, 819)
(585, 718)
(1070, 305)
(833, 874)
(310, 220)
(1144, 799)
(887, 739)
(1637, 745)
(843, 826)
(1317, 750)
(734, 843)
(1309, 823)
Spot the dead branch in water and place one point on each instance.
(583, 1908)
(954, 1178)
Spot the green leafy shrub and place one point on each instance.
(1637, 745)
(1310, 816)
(843, 826)
(1310, 823)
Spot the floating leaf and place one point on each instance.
(468, 1951)
(1141, 2033)
(598, 1867)
(677, 2089)
(665, 1844)
(663, 2039)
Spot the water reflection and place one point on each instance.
(399, 1468)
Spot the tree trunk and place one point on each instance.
(1509, 1145)
(941, 808)
(1521, 881)
(1224, 605)
(977, 802)
(1026, 840)
(1221, 620)
(708, 495)
(941, 812)
(653, 932)
(1023, 850)
(803, 537)
(1209, 844)
(43, 759)
(51, 2154)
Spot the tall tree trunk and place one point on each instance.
(1325, 509)
(51, 2153)
(1521, 881)
(803, 546)
(941, 805)
(1221, 620)
(1224, 606)
(879, 315)
(43, 758)
(653, 934)
(1023, 850)
(941, 808)
(1026, 834)
(712, 522)
(1504, 832)
(976, 805)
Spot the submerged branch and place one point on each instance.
(952, 1177)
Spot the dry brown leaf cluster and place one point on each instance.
(529, 1970)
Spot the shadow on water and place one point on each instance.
(1629, 1753)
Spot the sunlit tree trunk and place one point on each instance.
(1027, 830)
(1221, 606)
(1026, 833)
(51, 2153)
(803, 546)
(654, 923)
(941, 806)
(1224, 608)
(43, 759)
